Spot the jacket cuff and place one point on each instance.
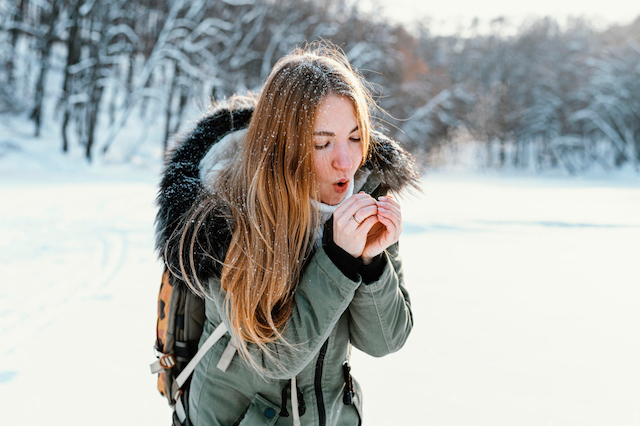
(347, 264)
(373, 271)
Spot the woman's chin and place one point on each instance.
(332, 199)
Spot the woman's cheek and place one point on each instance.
(320, 165)
(357, 155)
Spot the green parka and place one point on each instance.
(331, 312)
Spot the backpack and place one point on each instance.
(181, 318)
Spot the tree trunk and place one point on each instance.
(169, 106)
(46, 43)
(15, 33)
(184, 96)
(74, 44)
(36, 113)
(92, 113)
(65, 123)
(95, 90)
(130, 72)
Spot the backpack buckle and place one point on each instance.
(167, 361)
(164, 362)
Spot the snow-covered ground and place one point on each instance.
(525, 291)
(526, 295)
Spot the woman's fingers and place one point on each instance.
(364, 213)
(351, 222)
(354, 211)
(388, 203)
(393, 230)
(366, 227)
(389, 209)
(353, 204)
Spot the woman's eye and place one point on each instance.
(354, 139)
(322, 146)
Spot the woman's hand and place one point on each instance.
(386, 231)
(352, 221)
(364, 227)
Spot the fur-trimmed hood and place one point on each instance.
(215, 141)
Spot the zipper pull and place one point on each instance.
(285, 396)
(348, 384)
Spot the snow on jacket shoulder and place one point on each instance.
(330, 312)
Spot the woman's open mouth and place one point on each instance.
(341, 185)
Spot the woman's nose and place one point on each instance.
(342, 157)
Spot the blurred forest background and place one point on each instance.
(546, 96)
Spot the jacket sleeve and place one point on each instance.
(380, 312)
(322, 296)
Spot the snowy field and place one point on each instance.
(525, 291)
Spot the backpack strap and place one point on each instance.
(227, 356)
(164, 362)
(176, 388)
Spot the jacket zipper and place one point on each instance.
(318, 384)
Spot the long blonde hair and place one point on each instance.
(267, 193)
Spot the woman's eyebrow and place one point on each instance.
(326, 133)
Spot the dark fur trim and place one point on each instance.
(393, 164)
(181, 188)
(180, 185)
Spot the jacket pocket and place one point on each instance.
(260, 412)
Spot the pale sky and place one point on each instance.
(447, 14)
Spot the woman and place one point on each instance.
(277, 212)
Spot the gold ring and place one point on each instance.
(355, 219)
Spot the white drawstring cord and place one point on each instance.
(294, 402)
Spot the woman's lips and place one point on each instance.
(341, 186)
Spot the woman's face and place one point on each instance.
(337, 148)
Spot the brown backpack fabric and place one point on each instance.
(181, 320)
